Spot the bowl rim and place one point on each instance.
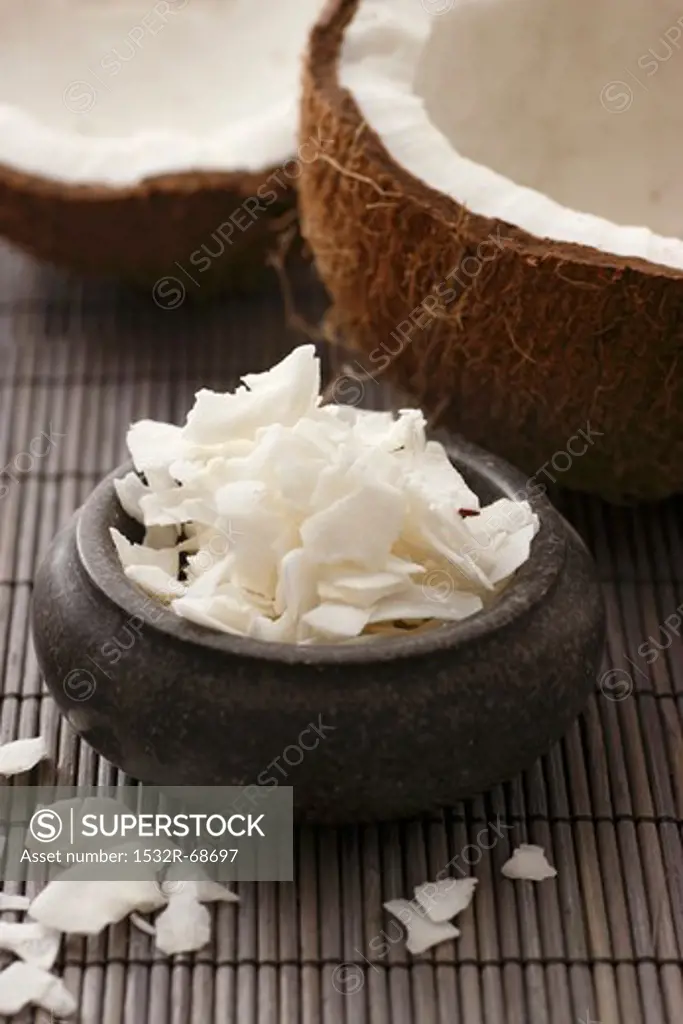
(528, 588)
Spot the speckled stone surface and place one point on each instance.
(373, 732)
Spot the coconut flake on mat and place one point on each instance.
(184, 926)
(86, 907)
(528, 863)
(30, 941)
(21, 755)
(445, 899)
(23, 984)
(422, 933)
(289, 520)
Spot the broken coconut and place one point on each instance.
(158, 142)
(500, 244)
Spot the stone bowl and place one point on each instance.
(383, 730)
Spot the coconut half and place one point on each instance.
(139, 135)
(498, 221)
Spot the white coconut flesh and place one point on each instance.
(98, 92)
(560, 118)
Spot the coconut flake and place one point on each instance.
(361, 591)
(153, 445)
(130, 489)
(30, 941)
(86, 907)
(528, 863)
(184, 926)
(283, 394)
(512, 553)
(445, 899)
(419, 604)
(21, 755)
(24, 984)
(337, 620)
(330, 536)
(224, 612)
(161, 537)
(134, 555)
(422, 933)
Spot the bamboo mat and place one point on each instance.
(602, 943)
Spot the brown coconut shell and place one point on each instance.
(543, 341)
(148, 232)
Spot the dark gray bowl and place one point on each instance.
(378, 731)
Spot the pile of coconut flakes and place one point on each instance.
(272, 515)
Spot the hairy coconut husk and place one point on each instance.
(147, 233)
(546, 340)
